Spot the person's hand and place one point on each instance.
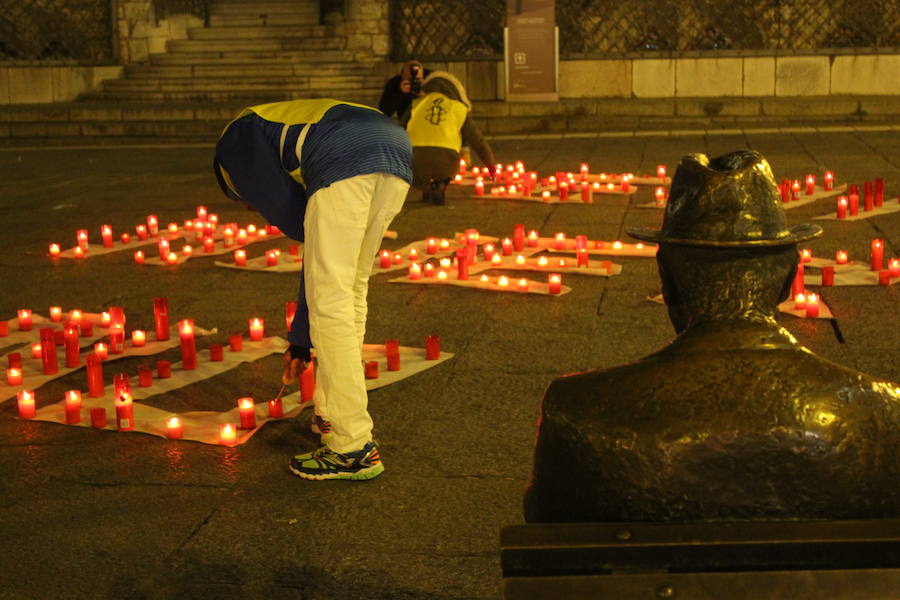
(405, 86)
(293, 367)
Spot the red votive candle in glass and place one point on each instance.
(884, 277)
(126, 238)
(431, 245)
(73, 407)
(271, 257)
(14, 376)
(94, 376)
(124, 412)
(799, 301)
(242, 236)
(121, 384)
(98, 417)
(209, 245)
(145, 377)
(842, 203)
(141, 231)
(806, 255)
(73, 352)
(25, 321)
(894, 267)
(810, 185)
(172, 258)
(36, 350)
(138, 338)
(247, 413)
(559, 241)
(86, 328)
(240, 257)
(432, 347)
(55, 314)
(462, 264)
(827, 276)
(174, 428)
(798, 286)
(415, 271)
(78, 252)
(116, 339)
(868, 196)
(216, 352)
(479, 187)
(877, 255)
(587, 196)
(879, 192)
(54, 250)
(227, 435)
(161, 318)
(840, 257)
(583, 258)
(163, 369)
(853, 193)
(384, 259)
(257, 329)
(829, 180)
(392, 352)
(4, 328)
(276, 408)
(188, 345)
(14, 360)
(812, 306)
(563, 191)
(554, 283)
(795, 189)
(518, 238)
(25, 399)
(506, 246)
(82, 238)
(139, 257)
(371, 370)
(163, 247)
(101, 350)
(106, 235)
(236, 342)
(428, 270)
(48, 351)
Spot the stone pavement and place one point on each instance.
(89, 514)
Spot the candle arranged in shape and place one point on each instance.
(188, 345)
(257, 329)
(124, 412)
(227, 435)
(24, 319)
(174, 428)
(247, 413)
(73, 352)
(73, 407)
(161, 318)
(877, 254)
(14, 376)
(26, 406)
(48, 351)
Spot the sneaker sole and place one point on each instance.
(362, 475)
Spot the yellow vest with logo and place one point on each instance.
(292, 112)
(437, 120)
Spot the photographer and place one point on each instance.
(400, 90)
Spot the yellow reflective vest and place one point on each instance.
(437, 120)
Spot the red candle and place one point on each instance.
(444, 245)
(799, 301)
(810, 185)
(227, 435)
(271, 258)
(432, 347)
(55, 314)
(798, 285)
(247, 413)
(26, 404)
(795, 189)
(415, 271)
(428, 270)
(73, 407)
(186, 250)
(371, 370)
(853, 192)
(385, 259)
(15, 360)
(116, 339)
(879, 192)
(462, 264)
(98, 417)
(522, 285)
(163, 369)
(868, 196)
(563, 191)
(173, 228)
(894, 267)
(842, 202)
(559, 241)
(172, 258)
(236, 342)
(14, 376)
(138, 338)
(54, 250)
(806, 255)
(398, 258)
(827, 276)
(161, 318)
(36, 350)
(242, 236)
(86, 328)
(126, 238)
(884, 277)
(145, 377)
(82, 237)
(188, 345)
(257, 329)
(209, 245)
(507, 246)
(141, 231)
(518, 238)
(829, 180)
(95, 376)
(877, 254)
(152, 224)
(107, 235)
(121, 384)
(392, 352)
(105, 319)
(840, 257)
(276, 408)
(661, 171)
(308, 383)
(48, 351)
(812, 306)
(431, 245)
(124, 412)
(25, 322)
(216, 352)
(479, 187)
(163, 246)
(174, 428)
(73, 353)
(583, 259)
(101, 350)
(78, 252)
(554, 283)
(626, 187)
(139, 257)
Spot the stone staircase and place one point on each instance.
(253, 52)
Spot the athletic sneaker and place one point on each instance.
(320, 426)
(328, 464)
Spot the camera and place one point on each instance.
(415, 84)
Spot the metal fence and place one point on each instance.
(438, 30)
(71, 31)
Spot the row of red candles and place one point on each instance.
(518, 168)
(876, 260)
(873, 197)
(790, 190)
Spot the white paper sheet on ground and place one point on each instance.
(492, 283)
(786, 307)
(205, 426)
(33, 375)
(818, 263)
(852, 276)
(634, 179)
(819, 193)
(420, 246)
(599, 247)
(287, 263)
(653, 204)
(552, 266)
(412, 361)
(553, 198)
(888, 208)
(118, 246)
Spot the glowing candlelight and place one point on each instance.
(479, 187)
(251, 230)
(187, 250)
(70, 342)
(484, 278)
(101, 350)
(445, 263)
(806, 255)
(894, 267)
(247, 413)
(257, 329)
(228, 237)
(152, 224)
(172, 258)
(545, 196)
(415, 271)
(795, 189)
(174, 428)
(139, 257)
(242, 236)
(841, 257)
(457, 179)
(488, 251)
(462, 167)
(431, 245)
(54, 250)
(877, 256)
(563, 191)
(24, 316)
(562, 263)
(188, 345)
(73, 407)
(610, 186)
(522, 286)
(533, 239)
(444, 244)
(810, 185)
(209, 245)
(799, 301)
(14, 376)
(503, 281)
(78, 252)
(163, 246)
(412, 255)
(398, 258)
(106, 235)
(617, 245)
(829, 180)
(442, 274)
(173, 228)
(81, 236)
(36, 350)
(138, 338)
(240, 258)
(520, 260)
(428, 270)
(26, 404)
(496, 260)
(55, 314)
(506, 246)
(126, 239)
(559, 241)
(554, 283)
(141, 231)
(105, 319)
(272, 257)
(812, 306)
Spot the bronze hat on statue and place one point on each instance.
(730, 201)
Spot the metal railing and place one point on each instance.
(57, 31)
(466, 29)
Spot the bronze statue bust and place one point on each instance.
(734, 419)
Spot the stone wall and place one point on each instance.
(139, 33)
(367, 26)
(700, 77)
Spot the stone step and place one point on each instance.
(258, 45)
(252, 57)
(246, 70)
(251, 20)
(309, 82)
(245, 96)
(258, 32)
(271, 8)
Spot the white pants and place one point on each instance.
(343, 226)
